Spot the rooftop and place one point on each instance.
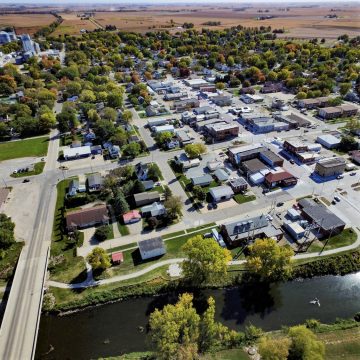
(151, 244)
(333, 161)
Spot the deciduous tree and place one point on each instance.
(99, 259)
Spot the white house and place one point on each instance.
(151, 248)
(221, 193)
(77, 152)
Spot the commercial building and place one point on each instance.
(332, 112)
(328, 223)
(328, 141)
(244, 230)
(271, 158)
(281, 179)
(76, 153)
(239, 154)
(222, 100)
(314, 103)
(151, 248)
(238, 184)
(355, 156)
(196, 83)
(164, 128)
(221, 193)
(186, 104)
(252, 166)
(222, 130)
(330, 166)
(87, 217)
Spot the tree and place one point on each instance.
(348, 143)
(195, 150)
(173, 206)
(152, 222)
(120, 204)
(269, 261)
(87, 96)
(199, 193)
(220, 85)
(163, 137)
(7, 227)
(109, 114)
(206, 261)
(304, 345)
(154, 172)
(274, 349)
(167, 192)
(175, 329)
(138, 187)
(133, 149)
(102, 233)
(127, 116)
(104, 130)
(345, 88)
(99, 259)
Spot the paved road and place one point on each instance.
(19, 327)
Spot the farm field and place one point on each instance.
(23, 148)
(305, 22)
(26, 23)
(72, 25)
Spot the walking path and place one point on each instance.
(90, 282)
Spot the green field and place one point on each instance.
(241, 199)
(38, 169)
(24, 148)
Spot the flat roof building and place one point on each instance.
(330, 166)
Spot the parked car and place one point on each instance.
(333, 202)
(340, 177)
(336, 198)
(26, 180)
(292, 161)
(280, 204)
(353, 173)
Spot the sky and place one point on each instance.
(155, 2)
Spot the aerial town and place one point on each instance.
(193, 188)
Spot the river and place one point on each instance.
(113, 329)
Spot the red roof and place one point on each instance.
(134, 214)
(117, 257)
(278, 176)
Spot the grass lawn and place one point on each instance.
(63, 265)
(241, 199)
(342, 344)
(122, 247)
(346, 237)
(123, 229)
(9, 260)
(133, 262)
(38, 169)
(24, 148)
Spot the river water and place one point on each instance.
(113, 329)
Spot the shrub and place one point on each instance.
(102, 233)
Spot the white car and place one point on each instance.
(245, 110)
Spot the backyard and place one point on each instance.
(24, 148)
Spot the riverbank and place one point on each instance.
(159, 282)
(341, 339)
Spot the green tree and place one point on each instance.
(109, 114)
(127, 116)
(199, 193)
(195, 150)
(138, 187)
(120, 204)
(102, 233)
(167, 192)
(163, 137)
(173, 206)
(206, 261)
(7, 227)
(104, 130)
(175, 330)
(99, 259)
(87, 96)
(133, 149)
(269, 261)
(345, 88)
(274, 349)
(304, 345)
(348, 143)
(154, 172)
(220, 85)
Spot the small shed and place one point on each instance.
(151, 248)
(117, 258)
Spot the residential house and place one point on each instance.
(95, 182)
(204, 180)
(221, 175)
(114, 151)
(245, 230)
(73, 187)
(355, 156)
(281, 179)
(151, 248)
(330, 166)
(183, 137)
(238, 185)
(131, 217)
(141, 171)
(87, 217)
(221, 193)
(173, 143)
(148, 184)
(153, 210)
(146, 198)
(331, 112)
